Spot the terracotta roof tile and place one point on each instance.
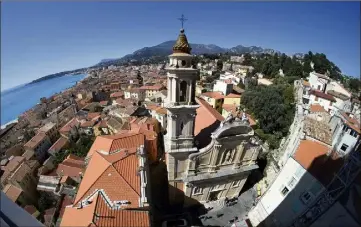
(232, 95)
(156, 87)
(117, 94)
(58, 145)
(306, 83)
(231, 108)
(33, 142)
(93, 116)
(115, 173)
(206, 116)
(317, 108)
(71, 166)
(318, 129)
(213, 94)
(12, 192)
(322, 95)
(161, 110)
(69, 125)
(352, 122)
(110, 143)
(105, 215)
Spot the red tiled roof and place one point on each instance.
(206, 116)
(71, 166)
(119, 217)
(33, 142)
(110, 143)
(115, 173)
(306, 83)
(231, 95)
(213, 94)
(161, 110)
(230, 108)
(322, 95)
(69, 125)
(117, 94)
(93, 116)
(352, 122)
(59, 144)
(87, 124)
(156, 87)
(12, 192)
(317, 108)
(312, 155)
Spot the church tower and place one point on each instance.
(181, 108)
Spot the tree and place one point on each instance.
(247, 59)
(273, 106)
(219, 65)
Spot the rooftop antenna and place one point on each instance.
(182, 19)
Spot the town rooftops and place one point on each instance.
(161, 110)
(232, 95)
(213, 94)
(58, 145)
(115, 173)
(317, 108)
(47, 127)
(338, 95)
(316, 159)
(318, 129)
(33, 142)
(352, 122)
(111, 143)
(69, 125)
(156, 87)
(207, 120)
(322, 95)
(323, 76)
(117, 94)
(72, 166)
(306, 83)
(12, 192)
(231, 108)
(97, 213)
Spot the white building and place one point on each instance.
(343, 102)
(318, 81)
(346, 132)
(294, 188)
(224, 86)
(230, 76)
(136, 93)
(325, 100)
(337, 87)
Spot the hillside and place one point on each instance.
(164, 49)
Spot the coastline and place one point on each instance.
(8, 123)
(11, 114)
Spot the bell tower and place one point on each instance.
(181, 107)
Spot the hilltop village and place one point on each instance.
(189, 143)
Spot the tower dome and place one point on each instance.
(182, 45)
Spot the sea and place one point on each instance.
(19, 99)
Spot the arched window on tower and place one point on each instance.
(181, 128)
(183, 91)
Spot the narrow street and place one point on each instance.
(239, 210)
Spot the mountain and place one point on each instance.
(164, 49)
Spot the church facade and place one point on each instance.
(218, 169)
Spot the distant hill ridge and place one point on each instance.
(165, 49)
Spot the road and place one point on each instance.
(240, 210)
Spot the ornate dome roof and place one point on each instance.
(182, 45)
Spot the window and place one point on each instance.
(284, 190)
(299, 172)
(236, 183)
(292, 182)
(306, 197)
(344, 147)
(217, 187)
(197, 191)
(318, 87)
(353, 133)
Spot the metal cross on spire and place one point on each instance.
(182, 19)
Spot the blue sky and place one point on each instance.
(41, 38)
